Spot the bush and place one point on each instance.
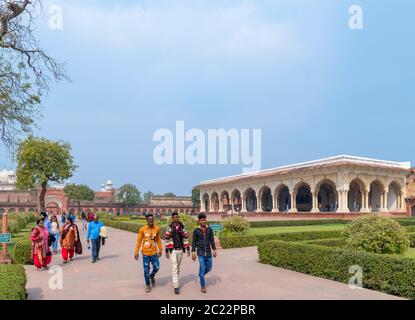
(12, 282)
(131, 227)
(376, 234)
(189, 222)
(235, 225)
(387, 273)
(332, 242)
(291, 223)
(22, 252)
(251, 241)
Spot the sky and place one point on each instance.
(294, 69)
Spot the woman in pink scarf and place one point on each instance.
(41, 253)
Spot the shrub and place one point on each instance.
(332, 242)
(21, 253)
(291, 223)
(250, 241)
(131, 227)
(235, 225)
(189, 222)
(376, 234)
(387, 273)
(12, 282)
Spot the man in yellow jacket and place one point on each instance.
(150, 242)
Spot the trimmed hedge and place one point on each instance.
(332, 242)
(387, 273)
(291, 223)
(22, 252)
(251, 241)
(132, 227)
(18, 221)
(12, 282)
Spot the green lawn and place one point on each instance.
(272, 230)
(410, 253)
(23, 234)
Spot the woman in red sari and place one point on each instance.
(42, 256)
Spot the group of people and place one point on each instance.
(47, 234)
(176, 245)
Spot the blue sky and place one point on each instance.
(291, 68)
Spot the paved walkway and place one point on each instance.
(236, 275)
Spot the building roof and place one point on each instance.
(312, 165)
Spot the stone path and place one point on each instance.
(236, 275)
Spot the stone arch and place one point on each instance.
(53, 207)
(225, 200)
(236, 200)
(327, 197)
(394, 196)
(250, 200)
(2, 210)
(283, 198)
(215, 201)
(266, 200)
(303, 197)
(376, 195)
(206, 202)
(356, 194)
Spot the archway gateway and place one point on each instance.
(375, 196)
(236, 201)
(206, 202)
(394, 196)
(226, 204)
(53, 208)
(283, 198)
(304, 198)
(215, 202)
(327, 197)
(250, 200)
(356, 195)
(266, 199)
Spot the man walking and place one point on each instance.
(94, 228)
(203, 244)
(176, 244)
(150, 242)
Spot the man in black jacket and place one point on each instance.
(203, 244)
(176, 244)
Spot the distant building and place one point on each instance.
(7, 180)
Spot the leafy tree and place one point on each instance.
(169, 194)
(196, 198)
(128, 194)
(40, 161)
(147, 196)
(25, 69)
(78, 193)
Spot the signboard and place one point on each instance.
(5, 238)
(217, 228)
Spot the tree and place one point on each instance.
(40, 161)
(78, 193)
(196, 198)
(128, 194)
(147, 196)
(25, 70)
(169, 194)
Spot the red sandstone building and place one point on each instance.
(12, 199)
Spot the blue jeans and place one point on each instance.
(96, 245)
(205, 266)
(55, 243)
(154, 260)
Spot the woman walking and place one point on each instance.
(55, 232)
(69, 238)
(42, 256)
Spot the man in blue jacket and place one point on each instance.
(94, 228)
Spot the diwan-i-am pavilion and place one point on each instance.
(341, 184)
